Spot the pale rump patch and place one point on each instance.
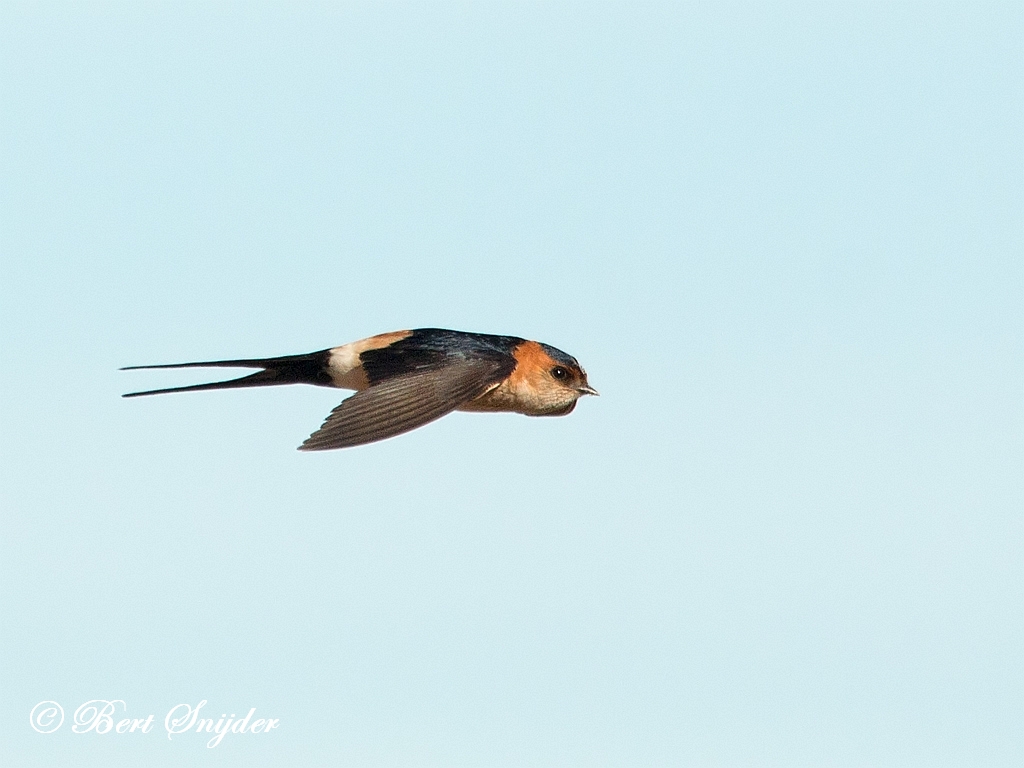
(344, 365)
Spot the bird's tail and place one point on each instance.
(291, 369)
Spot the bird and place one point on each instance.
(405, 379)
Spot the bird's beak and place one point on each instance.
(587, 390)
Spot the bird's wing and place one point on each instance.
(401, 403)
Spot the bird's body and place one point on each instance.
(406, 379)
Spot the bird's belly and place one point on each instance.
(517, 400)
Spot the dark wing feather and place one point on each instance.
(402, 403)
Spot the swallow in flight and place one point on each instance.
(406, 379)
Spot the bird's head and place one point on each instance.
(553, 380)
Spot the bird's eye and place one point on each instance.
(559, 373)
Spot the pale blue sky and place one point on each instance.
(785, 240)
